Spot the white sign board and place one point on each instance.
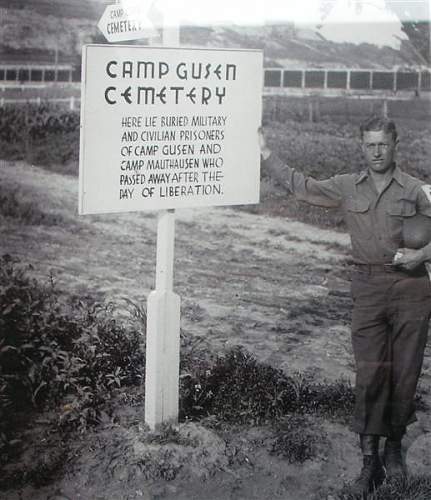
(118, 26)
(168, 128)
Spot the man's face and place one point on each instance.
(379, 149)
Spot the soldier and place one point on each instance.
(390, 288)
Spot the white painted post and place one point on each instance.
(163, 332)
(163, 314)
(72, 103)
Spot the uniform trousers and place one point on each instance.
(391, 312)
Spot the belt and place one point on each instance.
(388, 268)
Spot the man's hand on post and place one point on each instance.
(264, 150)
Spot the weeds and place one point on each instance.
(67, 355)
(297, 439)
(407, 488)
(399, 488)
(237, 388)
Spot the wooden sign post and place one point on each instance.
(165, 128)
(163, 315)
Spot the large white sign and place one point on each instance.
(118, 25)
(168, 128)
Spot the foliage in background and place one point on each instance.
(41, 135)
(70, 356)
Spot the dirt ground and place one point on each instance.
(275, 286)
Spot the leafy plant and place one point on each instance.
(237, 388)
(71, 355)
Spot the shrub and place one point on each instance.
(70, 355)
(237, 388)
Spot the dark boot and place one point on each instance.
(372, 474)
(393, 459)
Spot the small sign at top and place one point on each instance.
(118, 25)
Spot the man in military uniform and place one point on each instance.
(390, 288)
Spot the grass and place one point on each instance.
(14, 206)
(298, 438)
(399, 488)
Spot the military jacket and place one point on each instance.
(374, 220)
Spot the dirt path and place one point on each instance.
(275, 286)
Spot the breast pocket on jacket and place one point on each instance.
(400, 211)
(357, 216)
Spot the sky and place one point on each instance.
(354, 21)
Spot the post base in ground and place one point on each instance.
(162, 358)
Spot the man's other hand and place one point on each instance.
(264, 150)
(408, 259)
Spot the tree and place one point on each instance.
(419, 36)
(415, 21)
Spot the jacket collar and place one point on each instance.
(397, 174)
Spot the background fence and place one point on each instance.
(350, 80)
(16, 73)
(373, 89)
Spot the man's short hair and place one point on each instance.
(375, 123)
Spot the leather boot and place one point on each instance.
(372, 474)
(393, 459)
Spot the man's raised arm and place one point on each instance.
(325, 193)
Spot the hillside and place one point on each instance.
(35, 29)
(77, 9)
